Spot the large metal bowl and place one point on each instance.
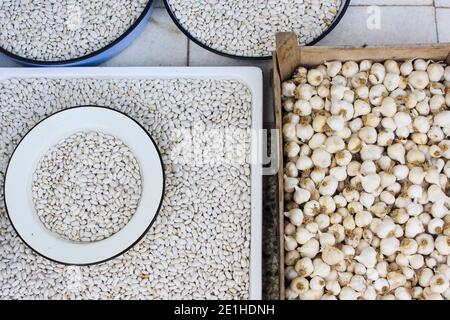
(98, 56)
(337, 19)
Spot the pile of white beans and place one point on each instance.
(366, 181)
(199, 246)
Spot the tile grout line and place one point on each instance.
(188, 56)
(392, 5)
(436, 21)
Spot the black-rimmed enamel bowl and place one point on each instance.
(99, 56)
(337, 19)
(47, 133)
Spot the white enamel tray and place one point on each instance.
(251, 76)
(49, 132)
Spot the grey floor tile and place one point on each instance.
(159, 3)
(160, 44)
(443, 23)
(200, 56)
(392, 2)
(397, 25)
(5, 61)
(442, 3)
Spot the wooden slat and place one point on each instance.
(291, 55)
(278, 125)
(447, 61)
(313, 56)
(288, 54)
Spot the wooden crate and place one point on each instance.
(289, 55)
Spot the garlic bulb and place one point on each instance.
(391, 81)
(442, 245)
(371, 152)
(299, 285)
(304, 92)
(406, 68)
(342, 108)
(333, 68)
(442, 119)
(349, 69)
(413, 227)
(328, 186)
(291, 170)
(317, 103)
(292, 149)
(388, 107)
(321, 158)
(288, 104)
(421, 64)
(302, 108)
(289, 184)
(332, 255)
(336, 123)
(304, 163)
(310, 249)
(435, 72)
(348, 293)
(315, 77)
(371, 182)
(362, 92)
(419, 79)
(289, 243)
(334, 144)
(377, 73)
(324, 90)
(389, 246)
(288, 88)
(377, 94)
(437, 103)
(402, 293)
(368, 257)
(360, 79)
(289, 131)
(295, 216)
(301, 195)
(397, 152)
(439, 283)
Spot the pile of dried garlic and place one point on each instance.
(367, 181)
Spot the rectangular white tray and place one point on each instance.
(251, 76)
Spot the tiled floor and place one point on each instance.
(400, 21)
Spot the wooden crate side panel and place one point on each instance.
(291, 55)
(317, 55)
(278, 125)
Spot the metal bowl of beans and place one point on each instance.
(84, 185)
(246, 29)
(62, 33)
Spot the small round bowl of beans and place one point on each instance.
(92, 187)
(70, 33)
(246, 29)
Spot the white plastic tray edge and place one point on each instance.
(251, 76)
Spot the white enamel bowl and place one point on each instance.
(35, 144)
